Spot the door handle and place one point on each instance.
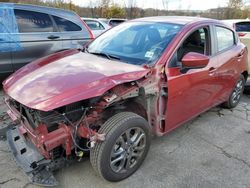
(52, 37)
(241, 54)
(211, 71)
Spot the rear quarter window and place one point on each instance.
(66, 25)
(225, 38)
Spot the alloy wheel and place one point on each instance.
(237, 91)
(127, 150)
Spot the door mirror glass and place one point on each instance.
(193, 60)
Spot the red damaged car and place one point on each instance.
(143, 77)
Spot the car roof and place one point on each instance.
(182, 20)
(236, 20)
(94, 19)
(84, 18)
(122, 19)
(48, 10)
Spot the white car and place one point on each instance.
(97, 26)
(112, 22)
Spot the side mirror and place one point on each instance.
(195, 60)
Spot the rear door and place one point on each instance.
(229, 55)
(9, 39)
(243, 30)
(73, 32)
(5, 63)
(37, 36)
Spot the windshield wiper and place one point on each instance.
(100, 54)
(105, 55)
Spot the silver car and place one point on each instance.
(29, 32)
(97, 26)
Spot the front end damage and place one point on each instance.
(30, 159)
(43, 142)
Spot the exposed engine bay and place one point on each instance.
(67, 134)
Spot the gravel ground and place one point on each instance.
(211, 151)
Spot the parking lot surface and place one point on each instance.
(210, 151)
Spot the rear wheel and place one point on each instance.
(236, 95)
(125, 147)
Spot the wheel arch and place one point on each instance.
(136, 105)
(245, 74)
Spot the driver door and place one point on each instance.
(190, 90)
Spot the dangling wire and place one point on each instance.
(75, 130)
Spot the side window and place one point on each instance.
(198, 42)
(94, 25)
(31, 22)
(225, 38)
(66, 25)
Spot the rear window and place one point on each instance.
(115, 22)
(66, 25)
(30, 21)
(242, 27)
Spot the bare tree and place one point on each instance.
(236, 4)
(165, 4)
(131, 8)
(103, 6)
(235, 7)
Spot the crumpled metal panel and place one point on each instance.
(9, 35)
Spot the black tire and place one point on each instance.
(115, 128)
(236, 94)
(247, 90)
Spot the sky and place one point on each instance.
(172, 4)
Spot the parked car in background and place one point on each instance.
(113, 21)
(105, 20)
(30, 32)
(242, 27)
(146, 76)
(116, 21)
(97, 26)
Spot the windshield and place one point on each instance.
(136, 43)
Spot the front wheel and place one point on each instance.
(236, 95)
(125, 147)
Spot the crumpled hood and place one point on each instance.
(67, 77)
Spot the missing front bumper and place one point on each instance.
(29, 159)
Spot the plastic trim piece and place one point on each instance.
(29, 159)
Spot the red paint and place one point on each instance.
(71, 76)
(68, 77)
(87, 27)
(60, 136)
(241, 34)
(193, 59)
(198, 90)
